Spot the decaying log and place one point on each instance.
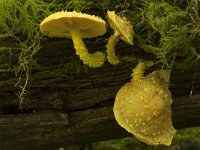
(69, 105)
(52, 128)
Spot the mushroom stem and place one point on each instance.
(138, 71)
(92, 60)
(112, 41)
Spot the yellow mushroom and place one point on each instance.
(143, 108)
(122, 30)
(76, 26)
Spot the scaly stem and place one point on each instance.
(138, 71)
(92, 60)
(111, 56)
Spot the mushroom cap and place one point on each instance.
(121, 25)
(60, 23)
(143, 108)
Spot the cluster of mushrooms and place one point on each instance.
(142, 106)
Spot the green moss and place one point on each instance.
(167, 29)
(6, 52)
(156, 25)
(18, 18)
(74, 67)
(78, 5)
(120, 144)
(84, 5)
(188, 135)
(183, 136)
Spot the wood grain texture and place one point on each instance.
(50, 129)
(69, 105)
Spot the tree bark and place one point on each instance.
(68, 103)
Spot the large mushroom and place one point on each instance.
(143, 107)
(76, 26)
(122, 30)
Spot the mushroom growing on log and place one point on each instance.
(76, 26)
(143, 107)
(122, 30)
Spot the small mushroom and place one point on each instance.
(122, 30)
(76, 26)
(143, 108)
